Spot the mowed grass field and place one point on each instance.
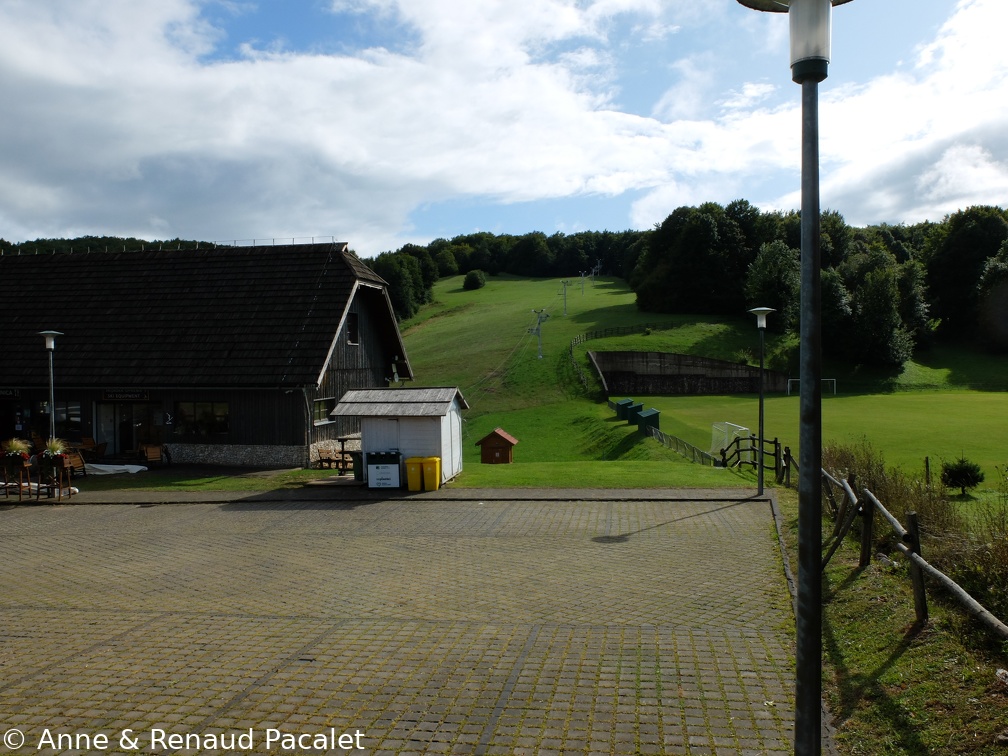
(948, 403)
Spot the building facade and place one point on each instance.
(226, 355)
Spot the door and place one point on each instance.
(125, 425)
(381, 434)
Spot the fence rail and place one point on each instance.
(909, 544)
(684, 448)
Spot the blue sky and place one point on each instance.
(382, 122)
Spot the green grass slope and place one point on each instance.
(947, 403)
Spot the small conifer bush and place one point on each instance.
(961, 474)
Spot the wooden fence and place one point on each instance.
(849, 508)
(744, 450)
(684, 448)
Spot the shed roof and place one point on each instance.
(498, 433)
(399, 402)
(253, 317)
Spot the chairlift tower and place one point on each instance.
(541, 317)
(565, 285)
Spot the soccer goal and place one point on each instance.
(797, 383)
(722, 435)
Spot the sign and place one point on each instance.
(125, 395)
(10, 393)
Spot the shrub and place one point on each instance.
(979, 561)
(961, 474)
(898, 491)
(475, 279)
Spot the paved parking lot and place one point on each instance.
(411, 625)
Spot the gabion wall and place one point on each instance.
(243, 456)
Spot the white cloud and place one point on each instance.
(123, 123)
(965, 172)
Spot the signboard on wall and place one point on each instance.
(125, 395)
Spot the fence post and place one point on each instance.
(867, 527)
(916, 573)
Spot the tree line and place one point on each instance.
(887, 290)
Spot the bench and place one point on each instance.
(343, 462)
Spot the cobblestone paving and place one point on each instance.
(414, 626)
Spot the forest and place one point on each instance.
(887, 290)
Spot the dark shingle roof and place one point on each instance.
(226, 316)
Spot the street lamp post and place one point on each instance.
(810, 22)
(761, 316)
(50, 345)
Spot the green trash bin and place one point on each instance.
(358, 464)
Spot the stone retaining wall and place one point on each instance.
(668, 373)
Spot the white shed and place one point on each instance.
(415, 422)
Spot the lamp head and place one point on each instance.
(811, 22)
(50, 339)
(761, 312)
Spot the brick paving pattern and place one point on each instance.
(425, 625)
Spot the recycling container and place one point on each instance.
(383, 469)
(432, 473)
(414, 474)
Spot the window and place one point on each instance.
(68, 419)
(322, 410)
(201, 419)
(352, 328)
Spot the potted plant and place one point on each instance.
(15, 453)
(53, 457)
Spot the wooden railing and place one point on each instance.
(850, 508)
(745, 451)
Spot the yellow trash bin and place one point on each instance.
(432, 473)
(414, 473)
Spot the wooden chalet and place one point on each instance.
(233, 355)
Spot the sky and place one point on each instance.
(386, 122)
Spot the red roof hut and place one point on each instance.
(495, 447)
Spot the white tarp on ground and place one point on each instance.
(33, 489)
(93, 469)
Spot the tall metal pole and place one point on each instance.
(808, 688)
(52, 398)
(759, 452)
(50, 345)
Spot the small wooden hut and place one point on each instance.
(496, 448)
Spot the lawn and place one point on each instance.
(905, 426)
